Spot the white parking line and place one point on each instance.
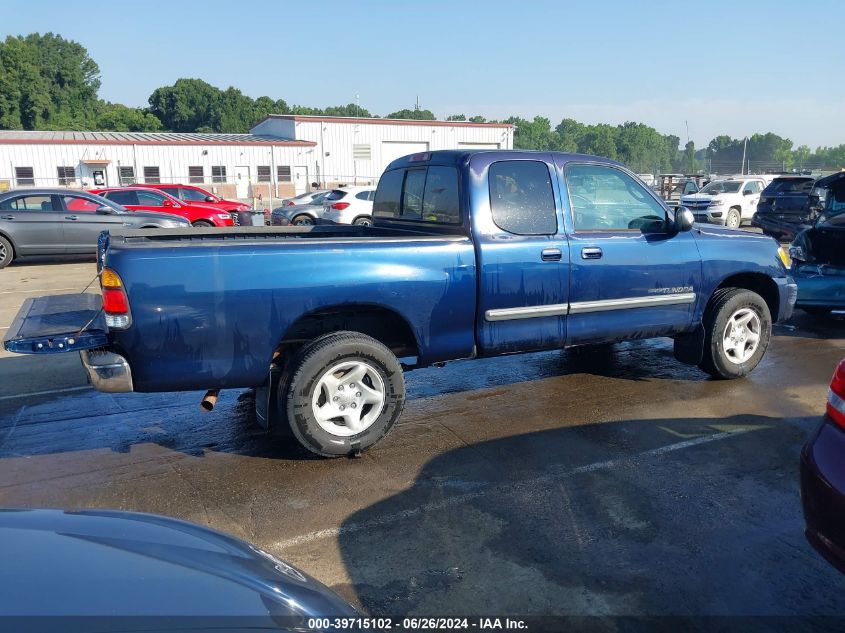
(501, 489)
(32, 394)
(16, 292)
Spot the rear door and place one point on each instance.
(522, 252)
(35, 221)
(82, 224)
(631, 277)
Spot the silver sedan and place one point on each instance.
(302, 210)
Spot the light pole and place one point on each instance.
(742, 167)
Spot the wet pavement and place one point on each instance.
(593, 482)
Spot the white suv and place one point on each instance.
(350, 205)
(730, 202)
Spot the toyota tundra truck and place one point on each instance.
(471, 254)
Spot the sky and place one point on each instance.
(735, 68)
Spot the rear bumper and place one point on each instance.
(108, 372)
(823, 492)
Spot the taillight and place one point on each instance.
(836, 395)
(340, 206)
(291, 203)
(115, 302)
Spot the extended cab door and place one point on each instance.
(522, 252)
(631, 276)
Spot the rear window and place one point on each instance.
(789, 185)
(337, 194)
(419, 194)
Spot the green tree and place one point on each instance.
(350, 109)
(117, 117)
(420, 115)
(456, 117)
(187, 106)
(534, 134)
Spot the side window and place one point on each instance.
(122, 197)
(363, 195)
(412, 194)
(173, 191)
(748, 188)
(389, 194)
(78, 204)
(150, 199)
(29, 203)
(607, 199)
(521, 197)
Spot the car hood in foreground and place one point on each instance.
(102, 562)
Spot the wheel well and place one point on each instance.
(762, 284)
(382, 324)
(202, 222)
(11, 241)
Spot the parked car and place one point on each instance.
(730, 203)
(191, 194)
(61, 222)
(785, 207)
(87, 564)
(199, 214)
(823, 477)
(303, 210)
(818, 254)
(472, 254)
(350, 205)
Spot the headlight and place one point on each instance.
(224, 216)
(716, 202)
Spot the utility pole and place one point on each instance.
(357, 105)
(417, 105)
(742, 167)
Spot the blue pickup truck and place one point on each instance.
(471, 254)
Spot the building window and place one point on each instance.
(152, 175)
(24, 176)
(283, 173)
(126, 175)
(196, 174)
(66, 175)
(218, 174)
(263, 172)
(361, 152)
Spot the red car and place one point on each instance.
(190, 194)
(147, 199)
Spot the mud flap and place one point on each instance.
(689, 348)
(266, 403)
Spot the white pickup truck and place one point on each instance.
(730, 202)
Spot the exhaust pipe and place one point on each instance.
(209, 399)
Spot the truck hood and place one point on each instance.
(699, 197)
(102, 562)
(823, 244)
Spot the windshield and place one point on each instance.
(789, 185)
(722, 186)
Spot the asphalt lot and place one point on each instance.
(617, 483)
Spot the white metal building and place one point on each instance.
(282, 155)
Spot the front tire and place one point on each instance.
(303, 220)
(737, 330)
(7, 252)
(363, 221)
(734, 219)
(202, 224)
(343, 394)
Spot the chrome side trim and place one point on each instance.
(506, 314)
(583, 307)
(107, 371)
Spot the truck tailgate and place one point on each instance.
(56, 324)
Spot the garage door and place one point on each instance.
(478, 145)
(391, 150)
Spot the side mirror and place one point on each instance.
(167, 203)
(210, 199)
(684, 219)
(105, 210)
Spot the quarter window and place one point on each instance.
(152, 175)
(521, 197)
(607, 199)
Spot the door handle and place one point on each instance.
(71, 217)
(551, 255)
(592, 252)
(7, 217)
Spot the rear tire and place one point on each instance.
(303, 220)
(203, 224)
(737, 329)
(343, 393)
(734, 219)
(7, 252)
(363, 221)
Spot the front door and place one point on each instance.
(82, 224)
(631, 276)
(36, 223)
(242, 182)
(523, 255)
(300, 179)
